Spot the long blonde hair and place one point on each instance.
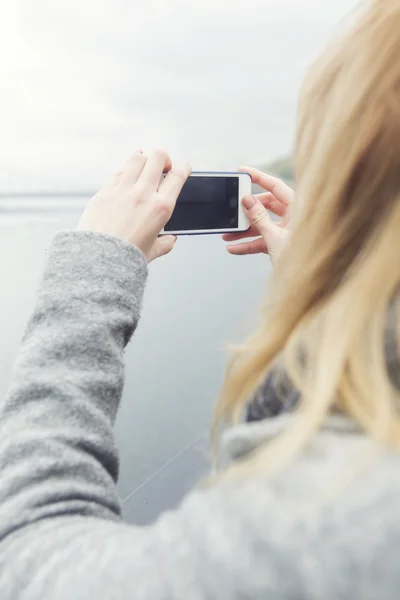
(327, 310)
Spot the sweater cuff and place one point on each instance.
(95, 268)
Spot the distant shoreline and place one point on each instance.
(282, 168)
(43, 195)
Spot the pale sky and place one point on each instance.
(83, 83)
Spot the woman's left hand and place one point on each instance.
(137, 203)
(271, 236)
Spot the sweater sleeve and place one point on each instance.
(57, 453)
(61, 533)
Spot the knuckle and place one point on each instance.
(278, 185)
(162, 208)
(258, 217)
(139, 191)
(283, 188)
(179, 173)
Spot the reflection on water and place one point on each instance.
(197, 299)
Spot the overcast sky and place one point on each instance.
(83, 83)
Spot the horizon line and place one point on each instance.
(47, 193)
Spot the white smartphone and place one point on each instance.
(210, 202)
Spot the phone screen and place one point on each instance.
(206, 203)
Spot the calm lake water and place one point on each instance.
(198, 299)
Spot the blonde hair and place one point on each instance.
(325, 319)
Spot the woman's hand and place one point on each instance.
(271, 235)
(137, 204)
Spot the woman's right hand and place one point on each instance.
(271, 236)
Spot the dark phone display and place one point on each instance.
(206, 203)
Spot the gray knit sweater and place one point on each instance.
(318, 531)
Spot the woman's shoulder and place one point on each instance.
(329, 521)
(339, 456)
(342, 480)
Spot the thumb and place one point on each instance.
(259, 217)
(162, 246)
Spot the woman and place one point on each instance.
(305, 505)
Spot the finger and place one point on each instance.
(272, 233)
(255, 247)
(272, 204)
(240, 235)
(259, 218)
(173, 182)
(163, 245)
(276, 186)
(132, 169)
(158, 162)
(257, 214)
(117, 176)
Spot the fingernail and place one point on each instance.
(249, 202)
